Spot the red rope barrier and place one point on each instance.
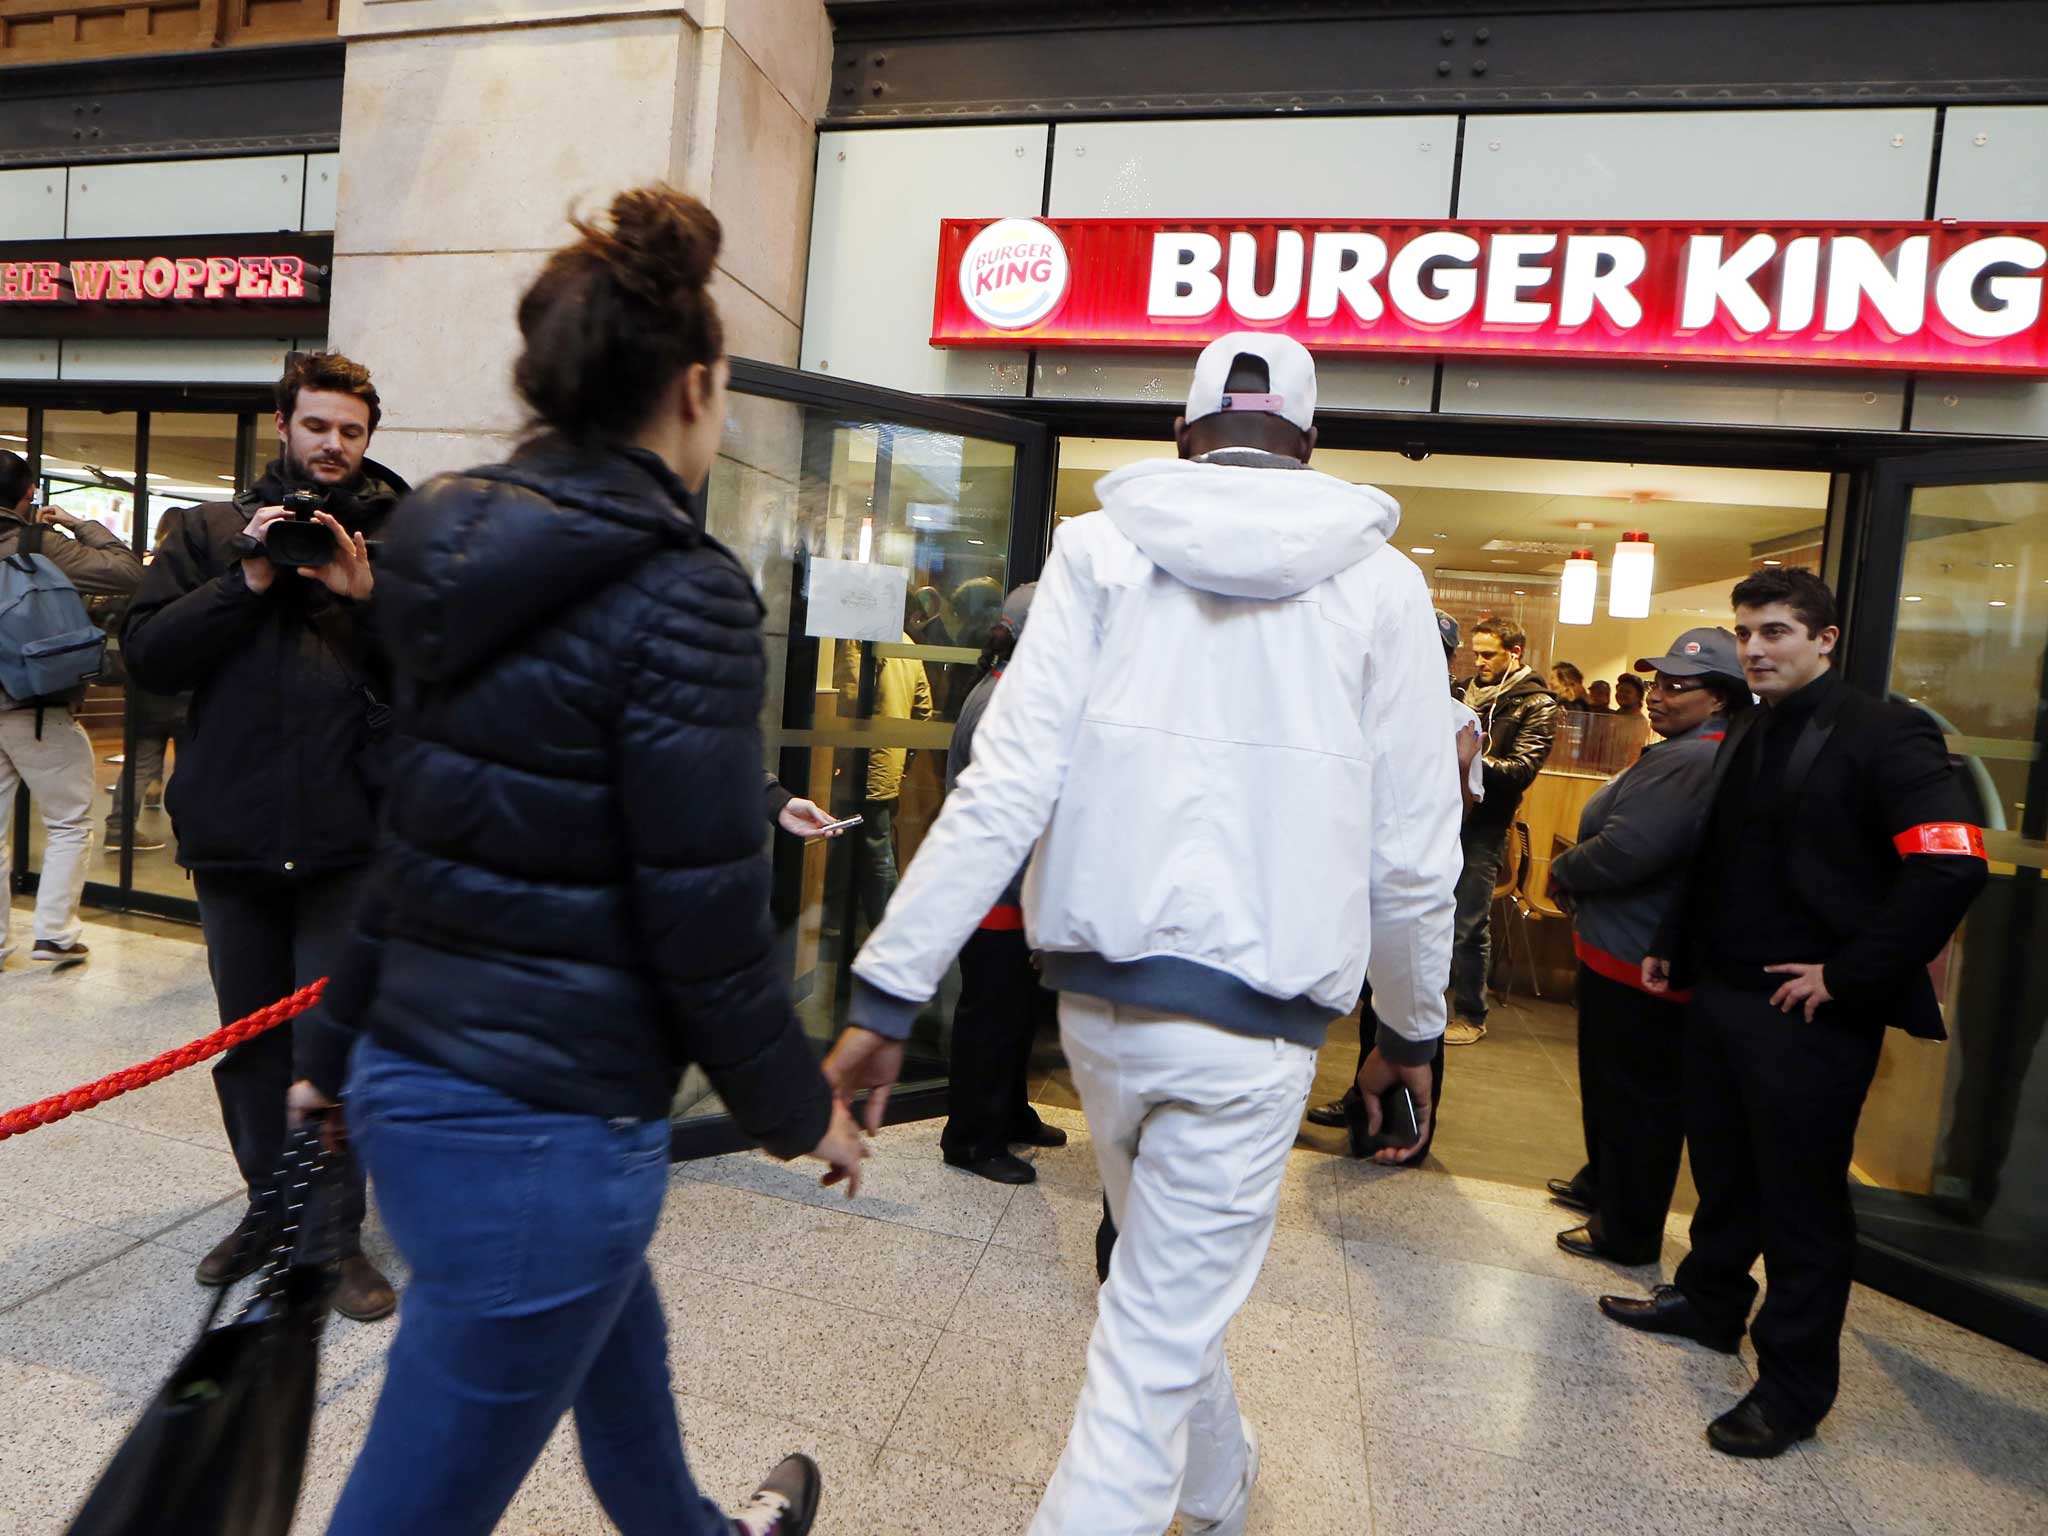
(49, 1111)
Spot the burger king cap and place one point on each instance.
(1290, 391)
(1697, 653)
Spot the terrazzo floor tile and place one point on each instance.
(1422, 1488)
(125, 1322)
(907, 1182)
(112, 1176)
(60, 1431)
(1401, 1291)
(1015, 1295)
(827, 1255)
(1552, 1412)
(39, 1248)
(995, 1405)
(830, 1367)
(1987, 1405)
(1894, 1479)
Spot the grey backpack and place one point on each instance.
(49, 645)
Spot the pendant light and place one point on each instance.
(1633, 576)
(1575, 592)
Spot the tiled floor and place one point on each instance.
(1418, 1355)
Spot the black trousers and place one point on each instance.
(988, 1097)
(1632, 1102)
(1771, 1104)
(265, 938)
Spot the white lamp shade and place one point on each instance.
(1575, 593)
(1634, 575)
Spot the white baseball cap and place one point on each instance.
(1290, 378)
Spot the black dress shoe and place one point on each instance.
(1570, 1194)
(1330, 1114)
(1042, 1135)
(1002, 1168)
(1746, 1430)
(1581, 1241)
(1667, 1310)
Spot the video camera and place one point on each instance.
(298, 540)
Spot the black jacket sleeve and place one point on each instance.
(778, 797)
(1512, 763)
(1658, 812)
(691, 798)
(192, 610)
(1914, 785)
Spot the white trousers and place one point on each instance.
(1191, 1126)
(58, 772)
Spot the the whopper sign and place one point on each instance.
(1932, 296)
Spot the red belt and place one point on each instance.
(1614, 968)
(1004, 919)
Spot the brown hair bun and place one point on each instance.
(613, 318)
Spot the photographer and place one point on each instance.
(274, 800)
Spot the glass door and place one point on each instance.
(1951, 614)
(883, 531)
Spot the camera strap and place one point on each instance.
(376, 713)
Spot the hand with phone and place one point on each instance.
(805, 819)
(1400, 1107)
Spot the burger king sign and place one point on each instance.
(1014, 274)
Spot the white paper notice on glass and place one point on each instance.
(854, 600)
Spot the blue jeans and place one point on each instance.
(1472, 938)
(527, 1234)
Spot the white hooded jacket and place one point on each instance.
(1227, 732)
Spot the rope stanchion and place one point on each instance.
(49, 1111)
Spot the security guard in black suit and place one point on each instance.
(1839, 857)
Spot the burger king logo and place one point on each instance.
(1692, 647)
(1014, 274)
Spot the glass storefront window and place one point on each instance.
(1953, 1147)
(881, 549)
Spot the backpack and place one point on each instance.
(49, 645)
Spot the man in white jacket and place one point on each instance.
(1225, 733)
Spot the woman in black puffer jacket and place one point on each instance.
(571, 907)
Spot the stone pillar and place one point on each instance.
(470, 128)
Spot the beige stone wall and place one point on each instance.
(471, 127)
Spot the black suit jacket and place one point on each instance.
(1862, 772)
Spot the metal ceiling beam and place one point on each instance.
(245, 101)
(915, 61)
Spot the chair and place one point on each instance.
(1504, 887)
(1520, 906)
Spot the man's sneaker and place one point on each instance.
(1464, 1032)
(1233, 1524)
(237, 1254)
(62, 956)
(786, 1502)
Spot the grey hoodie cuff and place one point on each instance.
(1402, 1051)
(874, 1010)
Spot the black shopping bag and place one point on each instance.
(221, 1449)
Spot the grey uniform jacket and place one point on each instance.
(1636, 838)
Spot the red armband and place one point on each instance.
(1957, 837)
(1004, 919)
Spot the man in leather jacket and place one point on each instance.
(1518, 720)
(274, 801)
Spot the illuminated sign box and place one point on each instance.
(163, 279)
(1936, 296)
(189, 286)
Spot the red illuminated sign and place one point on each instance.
(154, 279)
(1934, 296)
